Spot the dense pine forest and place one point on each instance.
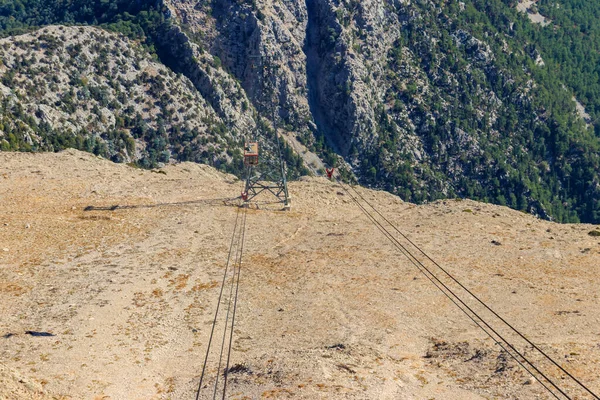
(536, 146)
(135, 18)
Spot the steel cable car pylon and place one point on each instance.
(263, 181)
(272, 180)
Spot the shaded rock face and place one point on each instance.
(329, 76)
(262, 48)
(298, 55)
(222, 92)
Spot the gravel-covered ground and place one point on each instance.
(327, 307)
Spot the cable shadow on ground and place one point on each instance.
(231, 201)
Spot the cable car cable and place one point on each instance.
(236, 266)
(387, 234)
(416, 262)
(235, 302)
(212, 331)
(480, 301)
(422, 269)
(230, 298)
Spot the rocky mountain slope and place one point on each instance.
(87, 88)
(328, 309)
(423, 99)
(420, 98)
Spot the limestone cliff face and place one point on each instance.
(259, 47)
(298, 56)
(319, 64)
(409, 98)
(221, 91)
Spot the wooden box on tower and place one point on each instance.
(251, 153)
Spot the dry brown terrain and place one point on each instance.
(328, 308)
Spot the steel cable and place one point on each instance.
(235, 304)
(420, 265)
(432, 278)
(230, 298)
(212, 331)
(480, 301)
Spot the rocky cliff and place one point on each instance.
(422, 99)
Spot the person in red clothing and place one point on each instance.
(329, 172)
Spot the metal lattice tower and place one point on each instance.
(266, 176)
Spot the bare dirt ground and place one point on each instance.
(328, 308)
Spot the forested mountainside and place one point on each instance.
(62, 83)
(427, 99)
(103, 89)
